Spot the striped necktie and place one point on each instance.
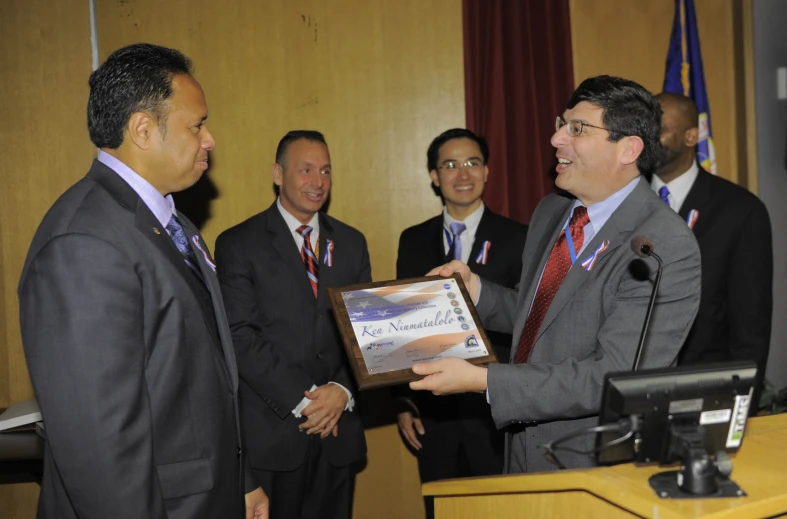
(557, 267)
(308, 256)
(455, 243)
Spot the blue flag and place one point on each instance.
(684, 76)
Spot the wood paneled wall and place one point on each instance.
(630, 38)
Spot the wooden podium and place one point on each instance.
(759, 467)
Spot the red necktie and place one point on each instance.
(557, 267)
(308, 257)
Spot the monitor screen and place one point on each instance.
(714, 396)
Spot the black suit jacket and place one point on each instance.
(421, 249)
(285, 339)
(131, 359)
(734, 234)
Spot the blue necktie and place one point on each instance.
(181, 241)
(664, 195)
(457, 228)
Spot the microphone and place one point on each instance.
(643, 248)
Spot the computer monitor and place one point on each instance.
(677, 413)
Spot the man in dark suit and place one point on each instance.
(462, 439)
(579, 309)
(734, 234)
(297, 410)
(123, 324)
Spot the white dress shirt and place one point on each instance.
(467, 237)
(679, 187)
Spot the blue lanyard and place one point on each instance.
(570, 244)
(449, 238)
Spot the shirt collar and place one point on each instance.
(293, 223)
(162, 207)
(600, 212)
(680, 186)
(471, 222)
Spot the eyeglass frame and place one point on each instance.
(582, 124)
(460, 165)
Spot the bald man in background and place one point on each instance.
(734, 233)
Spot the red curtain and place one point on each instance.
(518, 78)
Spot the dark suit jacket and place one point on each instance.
(420, 250)
(592, 325)
(285, 339)
(132, 363)
(734, 233)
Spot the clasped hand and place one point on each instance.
(323, 412)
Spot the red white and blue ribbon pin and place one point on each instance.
(589, 263)
(483, 254)
(328, 259)
(212, 265)
(692, 218)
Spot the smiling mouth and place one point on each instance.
(563, 163)
(314, 196)
(463, 188)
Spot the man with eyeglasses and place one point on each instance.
(580, 304)
(456, 437)
(734, 233)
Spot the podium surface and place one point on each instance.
(759, 467)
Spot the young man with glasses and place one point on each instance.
(456, 437)
(579, 307)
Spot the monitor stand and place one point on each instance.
(700, 476)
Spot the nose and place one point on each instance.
(560, 137)
(208, 142)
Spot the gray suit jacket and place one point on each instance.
(592, 326)
(132, 363)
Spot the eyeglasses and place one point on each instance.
(575, 127)
(454, 165)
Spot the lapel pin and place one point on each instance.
(155, 230)
(589, 263)
(692, 218)
(483, 254)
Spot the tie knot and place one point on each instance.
(304, 230)
(457, 228)
(580, 217)
(664, 194)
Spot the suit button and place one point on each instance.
(240, 451)
(319, 355)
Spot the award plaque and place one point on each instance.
(388, 327)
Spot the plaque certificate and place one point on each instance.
(387, 327)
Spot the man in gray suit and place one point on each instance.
(123, 324)
(580, 305)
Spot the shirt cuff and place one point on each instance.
(480, 286)
(487, 397)
(350, 399)
(303, 403)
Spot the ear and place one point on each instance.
(486, 172)
(631, 149)
(435, 178)
(278, 174)
(140, 129)
(691, 137)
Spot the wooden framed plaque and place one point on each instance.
(389, 326)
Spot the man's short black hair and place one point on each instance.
(433, 153)
(284, 143)
(136, 78)
(629, 110)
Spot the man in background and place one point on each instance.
(123, 324)
(455, 436)
(299, 418)
(734, 233)
(579, 309)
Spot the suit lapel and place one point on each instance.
(481, 235)
(615, 230)
(435, 246)
(698, 198)
(208, 269)
(283, 242)
(327, 275)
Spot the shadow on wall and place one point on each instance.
(195, 202)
